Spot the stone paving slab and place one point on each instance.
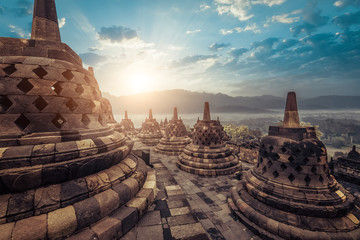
(188, 206)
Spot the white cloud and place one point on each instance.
(338, 4)
(269, 3)
(236, 8)
(240, 8)
(19, 31)
(61, 22)
(193, 31)
(226, 32)
(284, 18)
(204, 7)
(251, 27)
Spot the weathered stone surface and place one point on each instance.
(62, 222)
(6, 230)
(150, 133)
(128, 217)
(207, 154)
(290, 193)
(73, 191)
(47, 199)
(175, 138)
(87, 212)
(30, 228)
(108, 228)
(108, 202)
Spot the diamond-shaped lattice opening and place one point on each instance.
(269, 163)
(299, 169)
(318, 159)
(307, 180)
(68, 75)
(40, 103)
(261, 160)
(283, 149)
(71, 105)
(306, 160)
(79, 89)
(313, 169)
(5, 103)
(271, 148)
(321, 179)
(87, 79)
(85, 120)
(291, 159)
(263, 170)
(291, 177)
(297, 151)
(311, 151)
(40, 72)
(10, 69)
(57, 88)
(283, 166)
(22, 122)
(325, 168)
(25, 85)
(58, 121)
(275, 156)
(276, 174)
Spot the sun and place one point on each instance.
(140, 82)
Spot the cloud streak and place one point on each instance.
(117, 34)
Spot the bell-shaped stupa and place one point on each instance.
(63, 171)
(175, 139)
(207, 154)
(291, 194)
(126, 125)
(150, 133)
(348, 168)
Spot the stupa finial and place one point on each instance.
(126, 115)
(45, 23)
(291, 116)
(206, 112)
(150, 114)
(175, 116)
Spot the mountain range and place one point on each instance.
(192, 102)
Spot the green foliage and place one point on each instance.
(242, 134)
(319, 134)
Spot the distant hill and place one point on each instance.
(192, 102)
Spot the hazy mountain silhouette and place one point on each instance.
(192, 102)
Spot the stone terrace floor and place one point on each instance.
(188, 206)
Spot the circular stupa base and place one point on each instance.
(172, 147)
(209, 172)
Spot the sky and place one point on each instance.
(235, 47)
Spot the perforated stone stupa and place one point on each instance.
(63, 171)
(175, 139)
(207, 154)
(348, 168)
(150, 133)
(126, 125)
(290, 194)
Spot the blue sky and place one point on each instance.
(236, 47)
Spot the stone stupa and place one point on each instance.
(291, 194)
(175, 139)
(63, 171)
(207, 154)
(126, 125)
(348, 168)
(150, 133)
